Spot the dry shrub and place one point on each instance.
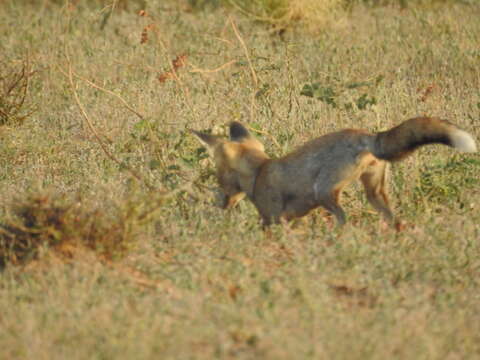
(282, 13)
(64, 226)
(14, 86)
(313, 14)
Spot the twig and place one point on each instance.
(239, 37)
(92, 84)
(198, 70)
(266, 134)
(94, 131)
(252, 70)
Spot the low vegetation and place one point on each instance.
(14, 87)
(48, 222)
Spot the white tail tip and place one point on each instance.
(463, 141)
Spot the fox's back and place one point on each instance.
(329, 153)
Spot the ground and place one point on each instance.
(114, 95)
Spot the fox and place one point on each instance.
(315, 174)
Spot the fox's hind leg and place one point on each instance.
(375, 183)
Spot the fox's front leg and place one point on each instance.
(330, 201)
(229, 201)
(270, 206)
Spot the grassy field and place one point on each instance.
(140, 262)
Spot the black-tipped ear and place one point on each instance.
(208, 139)
(238, 132)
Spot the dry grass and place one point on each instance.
(111, 129)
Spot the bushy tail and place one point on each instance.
(400, 141)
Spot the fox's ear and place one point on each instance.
(238, 132)
(208, 139)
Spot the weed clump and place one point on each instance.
(63, 226)
(284, 13)
(14, 86)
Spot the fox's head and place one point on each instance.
(237, 161)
